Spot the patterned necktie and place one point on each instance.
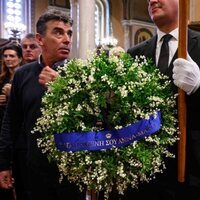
(164, 54)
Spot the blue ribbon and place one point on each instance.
(77, 141)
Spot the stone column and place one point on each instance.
(86, 27)
(127, 37)
(73, 12)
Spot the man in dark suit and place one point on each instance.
(35, 178)
(186, 75)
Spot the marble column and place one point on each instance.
(127, 37)
(73, 12)
(86, 27)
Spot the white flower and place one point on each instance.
(117, 90)
(123, 91)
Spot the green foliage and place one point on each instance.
(115, 91)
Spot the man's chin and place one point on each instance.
(64, 56)
(29, 59)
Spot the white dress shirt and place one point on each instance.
(173, 44)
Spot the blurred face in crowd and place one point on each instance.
(11, 59)
(30, 49)
(164, 12)
(56, 41)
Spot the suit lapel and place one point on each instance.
(149, 49)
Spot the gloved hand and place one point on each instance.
(186, 75)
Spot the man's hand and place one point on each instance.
(186, 75)
(6, 180)
(47, 75)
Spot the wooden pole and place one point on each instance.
(182, 53)
(91, 195)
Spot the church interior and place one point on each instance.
(95, 21)
(124, 23)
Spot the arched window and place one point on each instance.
(14, 20)
(102, 21)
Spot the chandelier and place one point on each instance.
(14, 30)
(109, 41)
(13, 24)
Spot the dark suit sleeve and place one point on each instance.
(5, 144)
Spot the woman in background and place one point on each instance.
(11, 60)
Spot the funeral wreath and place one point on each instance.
(95, 121)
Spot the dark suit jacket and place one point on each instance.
(148, 48)
(35, 177)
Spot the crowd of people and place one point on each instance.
(34, 177)
(22, 164)
(13, 56)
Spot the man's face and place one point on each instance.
(56, 42)
(163, 11)
(30, 49)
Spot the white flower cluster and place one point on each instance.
(108, 91)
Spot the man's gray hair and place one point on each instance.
(52, 14)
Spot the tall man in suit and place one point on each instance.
(186, 75)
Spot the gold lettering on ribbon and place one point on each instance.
(107, 142)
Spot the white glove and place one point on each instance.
(186, 75)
